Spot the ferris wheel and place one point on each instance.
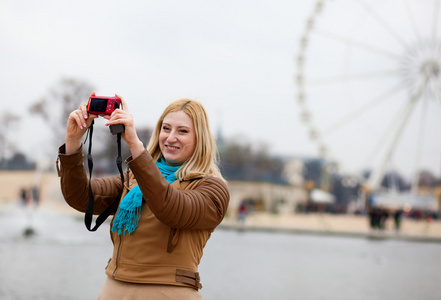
(369, 85)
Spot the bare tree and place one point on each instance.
(59, 102)
(242, 161)
(426, 179)
(8, 120)
(106, 148)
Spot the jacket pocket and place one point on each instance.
(173, 239)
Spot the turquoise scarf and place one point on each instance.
(130, 207)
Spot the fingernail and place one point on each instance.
(84, 124)
(86, 116)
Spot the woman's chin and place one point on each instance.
(171, 161)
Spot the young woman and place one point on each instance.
(173, 198)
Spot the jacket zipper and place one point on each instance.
(117, 256)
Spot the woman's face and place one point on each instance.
(177, 138)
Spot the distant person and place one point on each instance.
(375, 216)
(384, 215)
(36, 195)
(28, 197)
(372, 218)
(175, 189)
(397, 219)
(242, 211)
(23, 196)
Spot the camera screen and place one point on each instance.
(98, 105)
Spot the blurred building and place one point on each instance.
(265, 196)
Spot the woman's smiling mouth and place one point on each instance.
(172, 148)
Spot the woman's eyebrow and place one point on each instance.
(179, 126)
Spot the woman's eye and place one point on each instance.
(165, 128)
(183, 131)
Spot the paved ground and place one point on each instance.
(346, 225)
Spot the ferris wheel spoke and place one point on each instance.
(364, 109)
(383, 23)
(382, 140)
(419, 146)
(361, 45)
(374, 180)
(412, 21)
(376, 176)
(435, 20)
(435, 89)
(352, 77)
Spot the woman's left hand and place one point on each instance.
(123, 116)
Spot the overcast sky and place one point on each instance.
(237, 57)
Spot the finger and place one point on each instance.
(118, 118)
(111, 117)
(90, 119)
(83, 109)
(115, 117)
(119, 113)
(76, 115)
(123, 103)
(82, 117)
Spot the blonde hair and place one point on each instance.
(204, 160)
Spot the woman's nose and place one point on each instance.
(171, 137)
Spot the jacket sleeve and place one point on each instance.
(75, 184)
(203, 207)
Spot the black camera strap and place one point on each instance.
(114, 205)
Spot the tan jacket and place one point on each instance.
(176, 220)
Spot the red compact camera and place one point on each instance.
(101, 105)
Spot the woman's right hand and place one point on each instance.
(77, 124)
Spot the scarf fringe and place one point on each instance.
(128, 219)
